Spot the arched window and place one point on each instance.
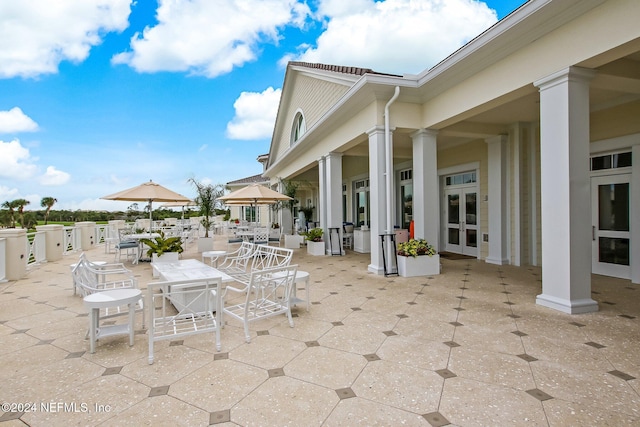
(298, 129)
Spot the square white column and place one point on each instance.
(566, 191)
(634, 215)
(377, 196)
(333, 181)
(323, 193)
(497, 168)
(426, 198)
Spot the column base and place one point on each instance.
(379, 270)
(586, 305)
(496, 261)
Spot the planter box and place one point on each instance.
(205, 244)
(315, 248)
(420, 266)
(166, 257)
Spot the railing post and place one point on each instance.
(16, 255)
(54, 241)
(87, 234)
(3, 260)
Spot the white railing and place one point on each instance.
(3, 260)
(72, 240)
(102, 233)
(36, 248)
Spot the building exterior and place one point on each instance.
(522, 147)
(260, 214)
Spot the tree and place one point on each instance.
(21, 203)
(289, 188)
(11, 206)
(47, 202)
(207, 199)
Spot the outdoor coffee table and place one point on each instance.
(301, 276)
(214, 256)
(108, 299)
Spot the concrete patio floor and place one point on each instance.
(468, 347)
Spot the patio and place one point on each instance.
(468, 347)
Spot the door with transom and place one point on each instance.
(461, 217)
(610, 232)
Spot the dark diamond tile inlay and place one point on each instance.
(345, 393)
(519, 333)
(539, 394)
(436, 419)
(626, 316)
(221, 356)
(356, 308)
(622, 375)
(579, 325)
(112, 371)
(527, 357)
(451, 344)
(514, 316)
(219, 417)
(371, 357)
(159, 391)
(445, 373)
(262, 333)
(75, 355)
(389, 333)
(277, 372)
(176, 343)
(456, 323)
(402, 316)
(595, 345)
(337, 323)
(312, 344)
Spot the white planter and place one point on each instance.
(423, 265)
(166, 257)
(292, 241)
(315, 248)
(205, 244)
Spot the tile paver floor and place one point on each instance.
(468, 347)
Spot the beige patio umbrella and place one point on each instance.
(253, 195)
(149, 192)
(182, 205)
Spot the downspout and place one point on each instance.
(389, 161)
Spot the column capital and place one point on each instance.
(333, 155)
(424, 132)
(375, 130)
(496, 138)
(562, 76)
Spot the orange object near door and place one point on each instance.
(411, 229)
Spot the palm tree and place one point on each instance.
(207, 199)
(12, 205)
(21, 203)
(47, 202)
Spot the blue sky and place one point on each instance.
(101, 95)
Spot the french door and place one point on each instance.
(610, 232)
(461, 216)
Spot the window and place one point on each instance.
(462, 178)
(406, 198)
(362, 201)
(298, 129)
(611, 161)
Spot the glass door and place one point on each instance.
(610, 225)
(461, 215)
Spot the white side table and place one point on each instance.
(107, 299)
(301, 276)
(213, 255)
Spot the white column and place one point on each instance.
(334, 194)
(497, 181)
(566, 191)
(377, 197)
(426, 198)
(323, 192)
(634, 215)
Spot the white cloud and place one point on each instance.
(396, 36)
(255, 115)
(7, 193)
(16, 161)
(36, 35)
(15, 120)
(207, 37)
(54, 176)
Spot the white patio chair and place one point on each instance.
(171, 316)
(347, 236)
(130, 247)
(265, 296)
(261, 235)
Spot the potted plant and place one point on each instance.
(315, 244)
(416, 257)
(163, 249)
(206, 200)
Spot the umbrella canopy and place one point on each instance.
(149, 192)
(254, 194)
